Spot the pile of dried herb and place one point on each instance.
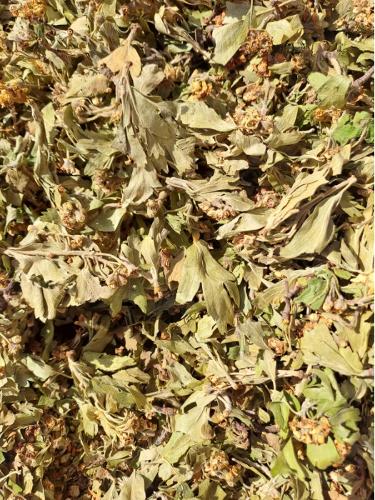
(186, 249)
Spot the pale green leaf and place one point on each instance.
(198, 115)
(316, 232)
(319, 348)
(322, 455)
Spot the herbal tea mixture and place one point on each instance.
(186, 249)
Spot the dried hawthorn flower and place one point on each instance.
(277, 345)
(329, 153)
(266, 198)
(248, 118)
(165, 259)
(4, 279)
(200, 89)
(104, 181)
(136, 9)
(30, 9)
(252, 92)
(360, 19)
(343, 450)
(106, 241)
(219, 19)
(340, 305)
(298, 62)
(72, 215)
(326, 115)
(218, 466)
(68, 167)
(119, 277)
(26, 454)
(60, 352)
(217, 210)
(77, 242)
(153, 206)
(310, 431)
(239, 433)
(278, 58)
(173, 73)
(261, 68)
(16, 228)
(245, 243)
(258, 42)
(12, 93)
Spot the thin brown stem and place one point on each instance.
(363, 79)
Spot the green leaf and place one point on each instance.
(108, 362)
(133, 488)
(193, 419)
(319, 348)
(192, 275)
(38, 367)
(178, 444)
(281, 412)
(108, 220)
(88, 419)
(287, 464)
(345, 131)
(322, 455)
(315, 292)
(209, 490)
(251, 221)
(317, 231)
(14, 487)
(87, 85)
(349, 128)
(331, 90)
(303, 188)
(228, 39)
(198, 115)
(284, 30)
(199, 267)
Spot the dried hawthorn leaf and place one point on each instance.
(87, 85)
(317, 231)
(303, 188)
(168, 170)
(319, 348)
(288, 29)
(200, 116)
(117, 59)
(229, 38)
(331, 90)
(322, 455)
(200, 268)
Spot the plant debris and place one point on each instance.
(186, 249)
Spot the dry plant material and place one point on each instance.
(186, 200)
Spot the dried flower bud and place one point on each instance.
(200, 89)
(72, 215)
(310, 431)
(217, 210)
(29, 9)
(11, 94)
